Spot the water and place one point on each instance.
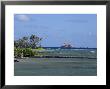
(92, 53)
(59, 66)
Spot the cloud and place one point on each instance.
(23, 17)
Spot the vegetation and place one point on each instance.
(24, 47)
(28, 42)
(18, 53)
(24, 52)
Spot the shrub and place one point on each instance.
(28, 52)
(18, 53)
(23, 52)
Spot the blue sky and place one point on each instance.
(80, 30)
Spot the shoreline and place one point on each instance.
(53, 60)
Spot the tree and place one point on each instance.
(24, 46)
(25, 42)
(16, 44)
(28, 42)
(34, 41)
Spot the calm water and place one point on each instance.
(59, 66)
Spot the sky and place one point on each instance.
(80, 30)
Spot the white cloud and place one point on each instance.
(23, 17)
